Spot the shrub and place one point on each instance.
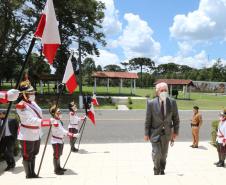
(130, 102)
(109, 100)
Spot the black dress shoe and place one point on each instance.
(63, 169)
(74, 149)
(8, 168)
(221, 164)
(216, 163)
(162, 173)
(59, 172)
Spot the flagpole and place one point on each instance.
(84, 122)
(81, 135)
(57, 103)
(18, 84)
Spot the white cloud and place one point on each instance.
(198, 61)
(185, 48)
(106, 58)
(136, 39)
(111, 23)
(202, 25)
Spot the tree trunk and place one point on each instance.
(141, 75)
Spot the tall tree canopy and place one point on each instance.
(145, 64)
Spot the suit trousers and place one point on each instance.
(29, 149)
(7, 147)
(159, 153)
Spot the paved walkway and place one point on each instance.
(126, 164)
(122, 107)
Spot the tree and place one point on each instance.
(216, 72)
(143, 64)
(99, 68)
(14, 35)
(167, 68)
(113, 67)
(88, 68)
(125, 64)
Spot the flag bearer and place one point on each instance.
(58, 133)
(73, 126)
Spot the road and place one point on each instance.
(114, 126)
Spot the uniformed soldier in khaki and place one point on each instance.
(30, 127)
(195, 126)
(58, 133)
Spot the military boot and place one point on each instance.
(56, 165)
(27, 170)
(32, 166)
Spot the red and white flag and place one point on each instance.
(69, 77)
(48, 31)
(91, 114)
(94, 100)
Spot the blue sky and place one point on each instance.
(188, 32)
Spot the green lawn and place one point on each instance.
(203, 100)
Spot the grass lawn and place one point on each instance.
(203, 100)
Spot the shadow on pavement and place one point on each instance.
(202, 148)
(18, 169)
(70, 172)
(82, 151)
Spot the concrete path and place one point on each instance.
(122, 107)
(125, 164)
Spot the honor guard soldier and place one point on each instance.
(221, 139)
(73, 126)
(30, 127)
(58, 133)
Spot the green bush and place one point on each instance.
(109, 100)
(214, 127)
(130, 102)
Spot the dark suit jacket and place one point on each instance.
(13, 127)
(154, 120)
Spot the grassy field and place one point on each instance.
(210, 101)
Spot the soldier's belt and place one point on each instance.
(57, 137)
(29, 126)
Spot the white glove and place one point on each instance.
(76, 135)
(12, 94)
(83, 116)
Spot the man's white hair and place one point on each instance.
(160, 85)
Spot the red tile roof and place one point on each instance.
(107, 74)
(175, 81)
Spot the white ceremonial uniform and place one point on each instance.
(221, 133)
(58, 133)
(74, 120)
(31, 118)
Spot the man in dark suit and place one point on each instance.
(8, 140)
(161, 126)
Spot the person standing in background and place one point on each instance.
(8, 140)
(195, 126)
